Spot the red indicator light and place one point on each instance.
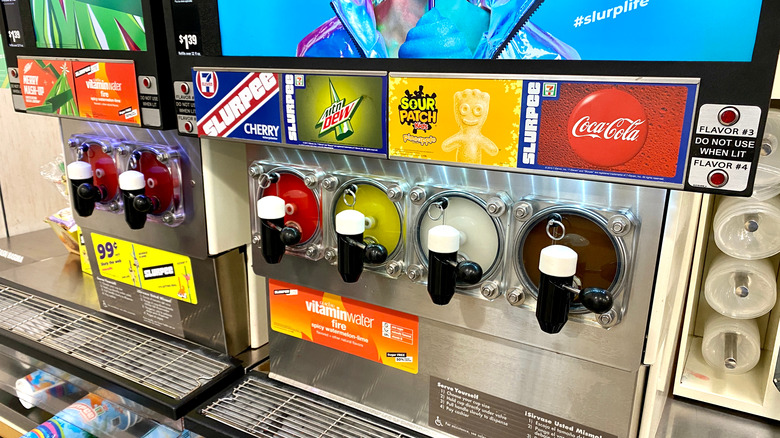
(185, 89)
(188, 126)
(718, 178)
(15, 73)
(728, 116)
(147, 82)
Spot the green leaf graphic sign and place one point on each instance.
(89, 24)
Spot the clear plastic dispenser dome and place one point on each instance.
(731, 346)
(767, 183)
(748, 229)
(741, 289)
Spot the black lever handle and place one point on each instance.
(375, 254)
(596, 300)
(91, 192)
(290, 236)
(468, 272)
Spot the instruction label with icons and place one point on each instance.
(381, 335)
(466, 413)
(153, 270)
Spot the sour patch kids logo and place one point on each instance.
(608, 128)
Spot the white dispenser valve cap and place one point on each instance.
(558, 261)
(270, 207)
(350, 223)
(132, 180)
(443, 239)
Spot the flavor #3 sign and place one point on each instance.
(335, 112)
(604, 129)
(240, 105)
(371, 332)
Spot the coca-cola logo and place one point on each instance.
(608, 128)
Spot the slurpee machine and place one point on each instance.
(467, 217)
(477, 218)
(160, 249)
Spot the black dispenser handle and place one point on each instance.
(132, 184)
(444, 270)
(353, 252)
(558, 264)
(275, 236)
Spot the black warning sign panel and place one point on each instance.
(725, 142)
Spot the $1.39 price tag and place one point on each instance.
(186, 19)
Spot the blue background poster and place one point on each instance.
(605, 30)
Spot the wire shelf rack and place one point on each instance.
(262, 410)
(167, 368)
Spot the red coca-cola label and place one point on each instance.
(608, 127)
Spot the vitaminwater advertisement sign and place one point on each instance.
(635, 130)
(599, 30)
(335, 112)
(107, 91)
(468, 121)
(162, 272)
(241, 105)
(364, 330)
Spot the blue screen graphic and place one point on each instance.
(600, 30)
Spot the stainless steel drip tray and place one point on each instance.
(260, 407)
(167, 375)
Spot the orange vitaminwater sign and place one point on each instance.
(371, 332)
(107, 91)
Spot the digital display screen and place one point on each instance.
(115, 25)
(597, 30)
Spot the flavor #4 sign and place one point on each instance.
(107, 91)
(371, 332)
(603, 129)
(335, 112)
(240, 105)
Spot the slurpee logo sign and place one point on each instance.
(336, 118)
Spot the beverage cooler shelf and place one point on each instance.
(168, 376)
(260, 407)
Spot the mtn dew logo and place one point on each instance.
(337, 116)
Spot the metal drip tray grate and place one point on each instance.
(262, 410)
(153, 363)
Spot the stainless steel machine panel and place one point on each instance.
(187, 237)
(587, 374)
